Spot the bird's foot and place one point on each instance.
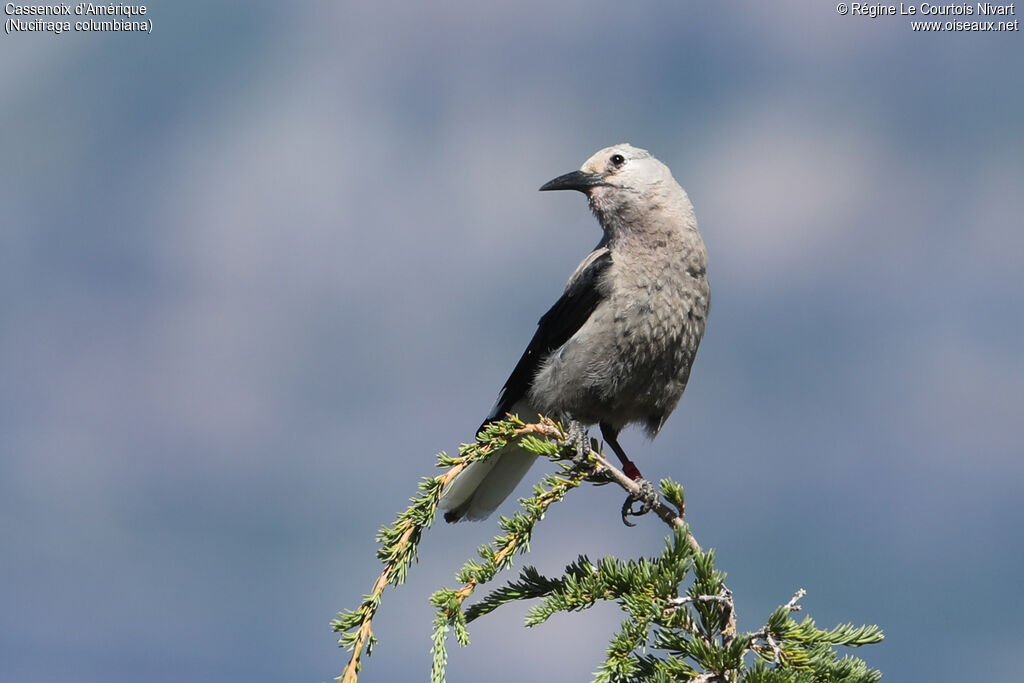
(577, 436)
(646, 497)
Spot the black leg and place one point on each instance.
(611, 437)
(647, 494)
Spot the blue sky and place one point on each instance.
(258, 267)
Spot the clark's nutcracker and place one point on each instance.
(617, 347)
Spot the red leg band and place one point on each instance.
(631, 471)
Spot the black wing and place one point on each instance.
(581, 296)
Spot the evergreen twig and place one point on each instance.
(498, 555)
(666, 637)
(399, 541)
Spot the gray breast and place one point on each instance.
(631, 361)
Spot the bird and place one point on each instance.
(617, 347)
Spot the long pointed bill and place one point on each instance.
(577, 180)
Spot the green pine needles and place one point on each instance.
(680, 619)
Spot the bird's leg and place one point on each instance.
(647, 496)
(577, 436)
(611, 437)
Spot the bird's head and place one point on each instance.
(616, 177)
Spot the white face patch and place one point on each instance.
(602, 199)
(601, 161)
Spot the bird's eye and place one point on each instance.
(618, 159)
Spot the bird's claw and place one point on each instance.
(577, 436)
(647, 497)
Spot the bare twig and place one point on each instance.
(677, 602)
(707, 678)
(791, 605)
(660, 507)
(603, 466)
(776, 650)
(765, 633)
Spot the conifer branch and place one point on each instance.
(603, 469)
(499, 554)
(399, 542)
(667, 636)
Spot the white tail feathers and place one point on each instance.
(480, 488)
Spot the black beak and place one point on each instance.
(577, 180)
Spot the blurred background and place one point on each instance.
(258, 267)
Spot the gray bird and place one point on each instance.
(617, 347)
